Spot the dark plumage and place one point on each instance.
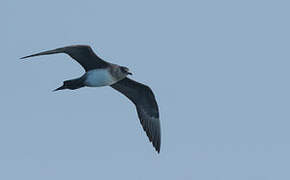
(102, 73)
(146, 105)
(83, 54)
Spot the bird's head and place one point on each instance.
(125, 70)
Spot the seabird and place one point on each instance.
(101, 73)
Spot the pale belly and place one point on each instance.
(100, 77)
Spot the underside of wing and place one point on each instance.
(146, 105)
(83, 54)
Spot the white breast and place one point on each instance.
(99, 77)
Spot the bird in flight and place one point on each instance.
(101, 73)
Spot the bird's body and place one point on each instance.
(103, 77)
(101, 73)
(99, 77)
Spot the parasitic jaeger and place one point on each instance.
(101, 73)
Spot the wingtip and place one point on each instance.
(157, 148)
(23, 57)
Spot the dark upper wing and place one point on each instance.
(83, 54)
(146, 105)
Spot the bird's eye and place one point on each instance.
(124, 69)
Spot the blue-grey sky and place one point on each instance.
(219, 70)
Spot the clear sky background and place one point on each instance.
(219, 70)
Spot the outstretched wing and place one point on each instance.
(83, 54)
(146, 105)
